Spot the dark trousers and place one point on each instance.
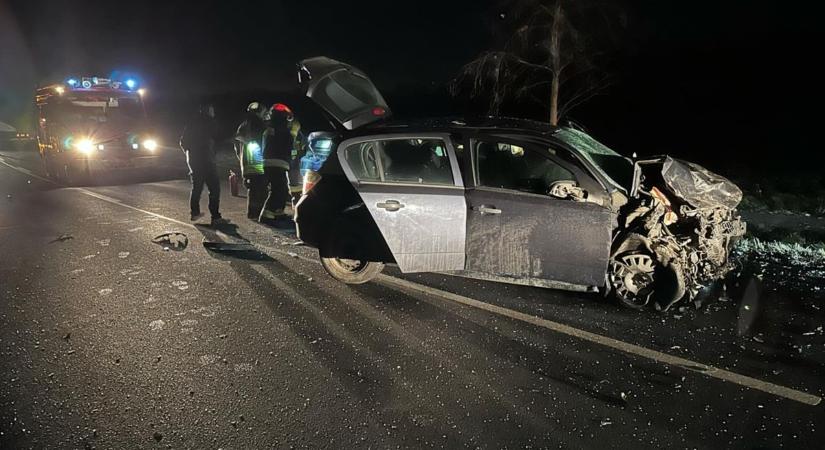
(257, 191)
(278, 194)
(213, 183)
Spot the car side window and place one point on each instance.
(410, 161)
(362, 159)
(509, 166)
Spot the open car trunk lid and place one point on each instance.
(346, 94)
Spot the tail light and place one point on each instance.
(311, 178)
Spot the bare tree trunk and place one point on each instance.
(555, 63)
(554, 100)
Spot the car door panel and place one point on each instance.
(427, 232)
(538, 237)
(483, 236)
(423, 225)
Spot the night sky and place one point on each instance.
(721, 82)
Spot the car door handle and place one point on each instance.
(488, 209)
(390, 205)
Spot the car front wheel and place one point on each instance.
(632, 279)
(637, 280)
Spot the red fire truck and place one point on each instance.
(93, 125)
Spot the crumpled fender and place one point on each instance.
(631, 241)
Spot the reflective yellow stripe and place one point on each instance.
(253, 161)
(267, 214)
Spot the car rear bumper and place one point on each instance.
(306, 228)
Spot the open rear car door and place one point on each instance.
(410, 184)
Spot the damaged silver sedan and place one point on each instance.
(506, 200)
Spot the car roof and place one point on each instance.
(529, 130)
(507, 125)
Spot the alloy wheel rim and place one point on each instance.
(632, 278)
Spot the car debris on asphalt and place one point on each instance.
(62, 238)
(174, 240)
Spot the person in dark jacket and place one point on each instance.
(277, 144)
(248, 147)
(198, 142)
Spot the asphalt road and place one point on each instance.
(109, 341)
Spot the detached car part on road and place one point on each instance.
(506, 200)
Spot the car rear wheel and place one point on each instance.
(352, 271)
(346, 257)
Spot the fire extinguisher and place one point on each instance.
(233, 183)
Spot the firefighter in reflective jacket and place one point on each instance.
(277, 146)
(299, 145)
(249, 148)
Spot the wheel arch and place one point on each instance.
(355, 220)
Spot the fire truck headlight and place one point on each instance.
(85, 146)
(150, 144)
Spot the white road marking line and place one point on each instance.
(24, 171)
(625, 347)
(711, 371)
(115, 201)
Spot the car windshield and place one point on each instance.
(616, 168)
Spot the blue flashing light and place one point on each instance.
(131, 83)
(71, 82)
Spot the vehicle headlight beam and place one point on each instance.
(150, 144)
(85, 146)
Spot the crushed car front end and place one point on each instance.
(677, 232)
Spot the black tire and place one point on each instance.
(352, 271)
(637, 280)
(347, 258)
